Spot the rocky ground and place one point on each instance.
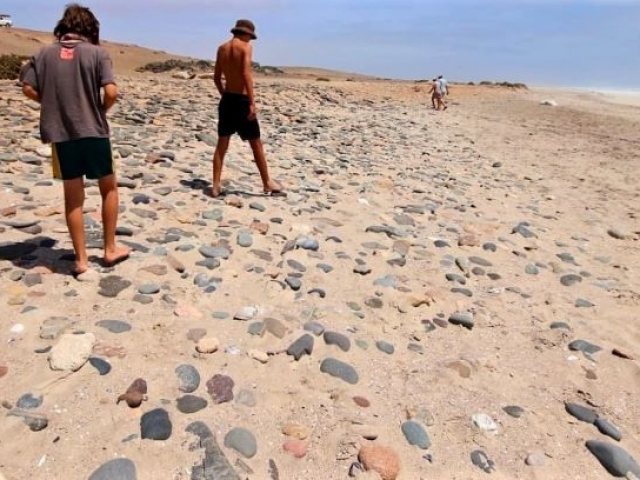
(440, 295)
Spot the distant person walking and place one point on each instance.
(237, 107)
(66, 78)
(436, 95)
(444, 86)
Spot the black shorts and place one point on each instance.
(233, 117)
(90, 157)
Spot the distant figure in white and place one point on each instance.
(437, 97)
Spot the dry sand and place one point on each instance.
(446, 192)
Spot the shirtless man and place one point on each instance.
(237, 108)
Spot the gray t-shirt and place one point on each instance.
(68, 76)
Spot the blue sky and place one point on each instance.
(588, 43)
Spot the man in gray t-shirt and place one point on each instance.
(66, 78)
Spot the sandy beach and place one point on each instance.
(446, 286)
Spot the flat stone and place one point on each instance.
(416, 434)
(385, 347)
(464, 319)
(188, 378)
(302, 346)
(117, 469)
(156, 425)
(246, 398)
(275, 327)
(514, 411)
(112, 285)
(584, 347)
(605, 427)
(536, 459)
(245, 240)
(294, 283)
(114, 326)
(482, 461)
(102, 366)
(246, 313)
(617, 461)
(484, 422)
(189, 404)
(29, 402)
(380, 459)
(215, 465)
(570, 279)
(338, 339)
(53, 327)
(208, 345)
(339, 369)
(242, 441)
(149, 289)
(220, 388)
(583, 414)
(71, 352)
(314, 327)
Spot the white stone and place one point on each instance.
(17, 329)
(549, 103)
(71, 352)
(484, 422)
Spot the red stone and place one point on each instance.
(297, 448)
(362, 402)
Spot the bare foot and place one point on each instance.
(216, 191)
(272, 187)
(80, 268)
(118, 255)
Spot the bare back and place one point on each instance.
(231, 61)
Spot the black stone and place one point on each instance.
(156, 425)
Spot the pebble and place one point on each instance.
(484, 422)
(246, 314)
(301, 432)
(189, 404)
(617, 461)
(114, 326)
(220, 387)
(188, 378)
(135, 394)
(117, 469)
(297, 448)
(71, 352)
(570, 279)
(302, 346)
(245, 240)
(584, 347)
(605, 427)
(156, 425)
(536, 459)
(149, 289)
(339, 369)
(246, 398)
(338, 339)
(482, 461)
(583, 414)
(416, 434)
(464, 319)
(314, 327)
(514, 411)
(208, 345)
(112, 285)
(29, 402)
(102, 366)
(385, 347)
(380, 459)
(242, 441)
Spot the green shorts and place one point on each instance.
(90, 157)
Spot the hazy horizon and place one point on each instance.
(589, 43)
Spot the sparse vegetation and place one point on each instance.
(323, 79)
(10, 66)
(171, 65)
(196, 66)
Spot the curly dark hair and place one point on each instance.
(78, 20)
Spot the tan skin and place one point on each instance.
(234, 64)
(74, 202)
